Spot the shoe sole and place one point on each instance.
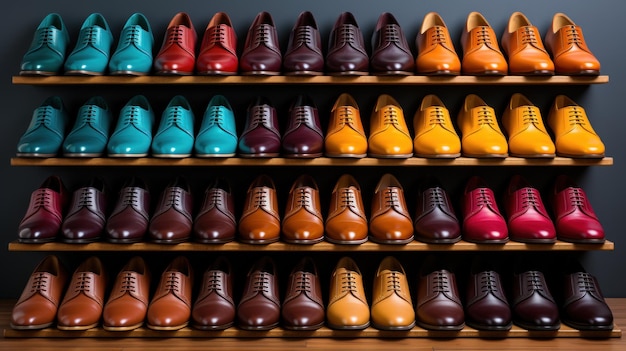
(212, 327)
(589, 72)
(479, 327)
(91, 155)
(587, 327)
(303, 155)
(532, 241)
(392, 73)
(124, 241)
(121, 329)
(535, 327)
(497, 156)
(260, 73)
(532, 155)
(80, 241)
(391, 242)
(169, 242)
(265, 155)
(440, 73)
(30, 327)
(541, 72)
(303, 328)
(303, 241)
(348, 73)
(215, 155)
(22, 154)
(169, 328)
(83, 73)
(437, 155)
(77, 327)
(348, 327)
(438, 241)
(451, 328)
(259, 328)
(304, 73)
(500, 241)
(394, 328)
(36, 241)
(259, 242)
(346, 242)
(214, 241)
(583, 241)
(580, 156)
(129, 73)
(391, 156)
(129, 155)
(346, 155)
(217, 73)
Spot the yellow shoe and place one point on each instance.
(347, 305)
(392, 308)
(527, 134)
(389, 134)
(481, 135)
(435, 136)
(345, 136)
(573, 134)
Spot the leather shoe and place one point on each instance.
(569, 50)
(575, 219)
(175, 137)
(346, 48)
(46, 53)
(391, 54)
(261, 52)
(218, 51)
(44, 215)
(481, 54)
(177, 55)
(128, 222)
(533, 306)
(347, 305)
(132, 136)
(214, 308)
(435, 136)
(170, 307)
(217, 136)
(482, 221)
(389, 135)
(522, 44)
(260, 220)
(133, 55)
(303, 307)
(573, 134)
(390, 221)
(481, 135)
(524, 126)
(439, 306)
(304, 49)
(303, 136)
(486, 306)
(86, 216)
(583, 305)
(528, 220)
(259, 307)
(261, 134)
(44, 135)
(435, 48)
(303, 222)
(435, 220)
(345, 136)
(91, 54)
(392, 308)
(215, 222)
(90, 133)
(171, 222)
(346, 222)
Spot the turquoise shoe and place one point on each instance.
(44, 135)
(218, 135)
(93, 48)
(89, 136)
(46, 53)
(133, 55)
(133, 133)
(174, 138)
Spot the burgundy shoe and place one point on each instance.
(303, 307)
(486, 306)
(215, 223)
(86, 216)
(44, 215)
(391, 53)
(261, 52)
(303, 136)
(218, 51)
(439, 306)
(435, 221)
(214, 308)
(584, 307)
(304, 50)
(528, 219)
(178, 51)
(533, 306)
(261, 136)
(172, 221)
(259, 307)
(128, 223)
(575, 220)
(346, 49)
(482, 221)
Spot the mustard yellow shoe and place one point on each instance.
(347, 306)
(524, 126)
(392, 308)
(481, 135)
(573, 134)
(435, 136)
(389, 134)
(345, 136)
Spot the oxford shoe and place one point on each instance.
(389, 135)
(574, 218)
(259, 307)
(346, 48)
(582, 303)
(177, 55)
(261, 134)
(482, 221)
(215, 222)
(217, 136)
(391, 54)
(46, 54)
(481, 54)
(172, 221)
(435, 136)
(303, 307)
(573, 134)
(87, 213)
(93, 47)
(303, 136)
(170, 307)
(345, 136)
(218, 50)
(347, 305)
(570, 53)
(260, 220)
(526, 132)
(175, 136)
(132, 136)
(303, 56)
(390, 221)
(480, 133)
(532, 304)
(486, 306)
(528, 221)
(346, 222)
(133, 55)
(439, 306)
(392, 308)
(42, 221)
(435, 220)
(214, 308)
(128, 222)
(261, 52)
(435, 48)
(522, 44)
(45, 133)
(90, 134)
(303, 222)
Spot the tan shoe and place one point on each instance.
(390, 222)
(128, 302)
(435, 49)
(347, 305)
(565, 41)
(260, 221)
(392, 308)
(170, 307)
(481, 54)
(435, 136)
(345, 136)
(346, 222)
(481, 135)
(522, 43)
(573, 134)
(527, 134)
(303, 223)
(389, 134)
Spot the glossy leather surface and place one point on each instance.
(346, 48)
(46, 54)
(261, 51)
(171, 222)
(133, 55)
(90, 133)
(217, 136)
(583, 305)
(128, 222)
(260, 219)
(132, 136)
(218, 50)
(389, 135)
(435, 48)
(259, 307)
(304, 49)
(480, 133)
(215, 222)
(261, 134)
(346, 222)
(522, 43)
(303, 307)
(438, 305)
(87, 213)
(347, 305)
(481, 54)
(44, 135)
(303, 136)
(482, 221)
(345, 136)
(435, 136)
(175, 136)
(392, 308)
(390, 221)
(177, 55)
(573, 134)
(42, 221)
(574, 217)
(92, 51)
(170, 307)
(528, 221)
(526, 132)
(532, 304)
(303, 222)
(391, 54)
(435, 220)
(214, 308)
(569, 50)
(486, 306)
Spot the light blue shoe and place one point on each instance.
(218, 135)
(46, 53)
(44, 135)
(89, 136)
(133, 55)
(93, 48)
(174, 138)
(133, 133)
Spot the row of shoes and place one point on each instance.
(438, 304)
(567, 52)
(87, 218)
(435, 135)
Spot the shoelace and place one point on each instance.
(575, 116)
(44, 116)
(391, 34)
(533, 281)
(216, 116)
(529, 116)
(40, 283)
(573, 37)
(390, 116)
(576, 197)
(43, 199)
(485, 116)
(483, 198)
(47, 36)
(438, 35)
(488, 282)
(483, 37)
(215, 197)
(392, 282)
(436, 116)
(133, 34)
(304, 35)
(345, 115)
(346, 34)
(529, 35)
(440, 282)
(261, 282)
(129, 283)
(83, 282)
(348, 198)
(90, 113)
(174, 197)
(303, 283)
(218, 34)
(348, 282)
(262, 34)
(529, 198)
(175, 36)
(214, 282)
(585, 283)
(260, 116)
(303, 197)
(391, 197)
(131, 196)
(86, 198)
(91, 36)
(435, 197)
(260, 197)
(302, 115)
(174, 116)
(131, 116)
(172, 282)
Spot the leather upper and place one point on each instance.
(527, 135)
(346, 48)
(260, 220)
(435, 48)
(47, 50)
(86, 216)
(573, 134)
(439, 306)
(390, 50)
(217, 136)
(215, 222)
(46, 130)
(128, 222)
(528, 220)
(569, 50)
(346, 222)
(392, 307)
(178, 50)
(218, 50)
(347, 305)
(389, 135)
(435, 220)
(345, 136)
(303, 222)
(522, 43)
(90, 133)
(304, 49)
(303, 136)
(170, 307)
(532, 303)
(390, 221)
(259, 306)
(133, 55)
(480, 133)
(92, 51)
(175, 134)
(44, 215)
(486, 306)
(261, 52)
(261, 133)
(482, 221)
(575, 219)
(303, 307)
(435, 136)
(481, 54)
(214, 308)
(172, 219)
(132, 136)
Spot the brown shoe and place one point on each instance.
(438, 303)
(347, 305)
(392, 308)
(128, 303)
(481, 54)
(435, 48)
(170, 307)
(566, 44)
(435, 220)
(390, 222)
(259, 308)
(521, 42)
(261, 52)
(303, 223)
(303, 308)
(390, 53)
(260, 221)
(346, 222)
(345, 136)
(215, 223)
(303, 56)
(172, 220)
(214, 308)
(346, 48)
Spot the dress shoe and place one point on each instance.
(390, 221)
(91, 54)
(304, 49)
(128, 301)
(389, 135)
(214, 308)
(523, 124)
(435, 221)
(435, 136)
(128, 222)
(566, 44)
(215, 222)
(532, 304)
(303, 136)
(573, 134)
(528, 220)
(486, 306)
(175, 137)
(346, 48)
(345, 136)
(435, 48)
(171, 222)
(90, 133)
(481, 135)
(86, 216)
(44, 135)
(482, 221)
(392, 308)
(217, 136)
(132, 136)
(391, 54)
(37, 306)
(347, 305)
(481, 54)
(177, 55)
(44, 215)
(303, 307)
(261, 52)
(81, 308)
(218, 51)
(522, 44)
(46, 53)
(346, 222)
(439, 306)
(583, 305)
(260, 221)
(303, 222)
(133, 55)
(259, 307)
(574, 217)
(261, 134)
(170, 308)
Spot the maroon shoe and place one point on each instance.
(218, 51)
(44, 215)
(172, 220)
(259, 307)
(528, 219)
(304, 49)
(391, 53)
(303, 307)
(86, 216)
(346, 50)
(486, 305)
(583, 305)
(303, 136)
(178, 51)
(214, 308)
(215, 223)
(575, 219)
(435, 221)
(261, 52)
(482, 221)
(128, 223)
(261, 136)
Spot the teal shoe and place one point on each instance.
(174, 138)
(133, 55)
(44, 135)
(133, 133)
(93, 48)
(89, 136)
(46, 53)
(218, 135)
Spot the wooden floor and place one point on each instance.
(618, 307)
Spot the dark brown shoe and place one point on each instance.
(303, 307)
(390, 222)
(214, 308)
(439, 306)
(170, 307)
(261, 52)
(259, 307)
(215, 223)
(304, 50)
(346, 50)
(86, 216)
(486, 306)
(435, 220)
(172, 221)
(260, 220)
(391, 54)
(303, 136)
(303, 222)
(533, 306)
(583, 305)
(128, 223)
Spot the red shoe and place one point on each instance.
(575, 220)
(42, 220)
(178, 52)
(218, 52)
(528, 219)
(482, 221)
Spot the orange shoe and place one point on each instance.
(570, 53)
(522, 44)
(435, 136)
(345, 136)
(435, 50)
(574, 136)
(481, 54)
(346, 222)
(481, 135)
(389, 134)
(524, 126)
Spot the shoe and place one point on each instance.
(214, 308)
(127, 305)
(132, 136)
(177, 55)
(304, 49)
(47, 50)
(303, 307)
(128, 222)
(175, 137)
(346, 48)
(346, 222)
(439, 306)
(86, 216)
(435, 220)
(522, 44)
(218, 50)
(532, 303)
(260, 220)
(303, 136)
(574, 217)
(481, 54)
(93, 47)
(347, 305)
(391, 54)
(566, 43)
(217, 136)
(486, 306)
(261, 52)
(170, 308)
(90, 133)
(345, 136)
(215, 222)
(389, 135)
(392, 308)
(81, 308)
(573, 134)
(261, 134)
(523, 124)
(44, 135)
(303, 222)
(43, 218)
(259, 307)
(528, 220)
(435, 136)
(435, 48)
(172, 221)
(482, 221)
(133, 55)
(481, 136)
(390, 221)
(37, 306)
(583, 306)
